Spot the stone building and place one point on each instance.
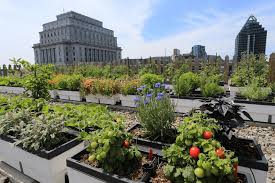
(75, 39)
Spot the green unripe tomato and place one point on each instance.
(199, 172)
(199, 163)
(94, 145)
(188, 142)
(103, 155)
(92, 157)
(98, 157)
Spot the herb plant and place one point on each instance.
(155, 111)
(129, 87)
(255, 92)
(211, 89)
(150, 79)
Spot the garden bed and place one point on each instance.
(46, 165)
(79, 169)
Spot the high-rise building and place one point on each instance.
(199, 51)
(251, 39)
(75, 39)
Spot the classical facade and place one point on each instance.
(75, 39)
(251, 39)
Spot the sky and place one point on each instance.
(143, 27)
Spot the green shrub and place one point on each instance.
(150, 79)
(36, 80)
(67, 82)
(272, 86)
(155, 112)
(11, 81)
(211, 89)
(187, 83)
(253, 92)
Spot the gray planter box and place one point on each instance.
(13, 90)
(185, 105)
(128, 100)
(92, 98)
(110, 100)
(69, 95)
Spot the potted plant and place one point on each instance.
(229, 116)
(129, 92)
(197, 156)
(156, 114)
(68, 86)
(41, 144)
(110, 157)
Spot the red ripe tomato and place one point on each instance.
(220, 153)
(207, 134)
(126, 144)
(194, 152)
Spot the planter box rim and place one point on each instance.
(254, 102)
(47, 154)
(99, 172)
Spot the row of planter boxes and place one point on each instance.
(51, 166)
(259, 111)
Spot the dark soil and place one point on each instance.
(140, 133)
(59, 140)
(242, 148)
(135, 174)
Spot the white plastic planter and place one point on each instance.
(53, 94)
(51, 167)
(9, 89)
(128, 100)
(185, 105)
(7, 154)
(69, 95)
(92, 98)
(110, 100)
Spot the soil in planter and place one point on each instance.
(134, 171)
(140, 133)
(242, 148)
(161, 178)
(59, 140)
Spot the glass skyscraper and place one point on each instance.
(251, 38)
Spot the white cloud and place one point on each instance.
(23, 21)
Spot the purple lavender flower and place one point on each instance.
(136, 99)
(143, 86)
(160, 94)
(159, 97)
(148, 95)
(146, 101)
(139, 89)
(157, 85)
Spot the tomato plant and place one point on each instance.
(193, 158)
(220, 153)
(111, 149)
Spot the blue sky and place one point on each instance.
(143, 27)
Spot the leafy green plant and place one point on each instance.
(36, 79)
(211, 89)
(254, 92)
(272, 86)
(11, 81)
(111, 149)
(186, 83)
(107, 87)
(250, 67)
(196, 155)
(155, 112)
(150, 79)
(70, 82)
